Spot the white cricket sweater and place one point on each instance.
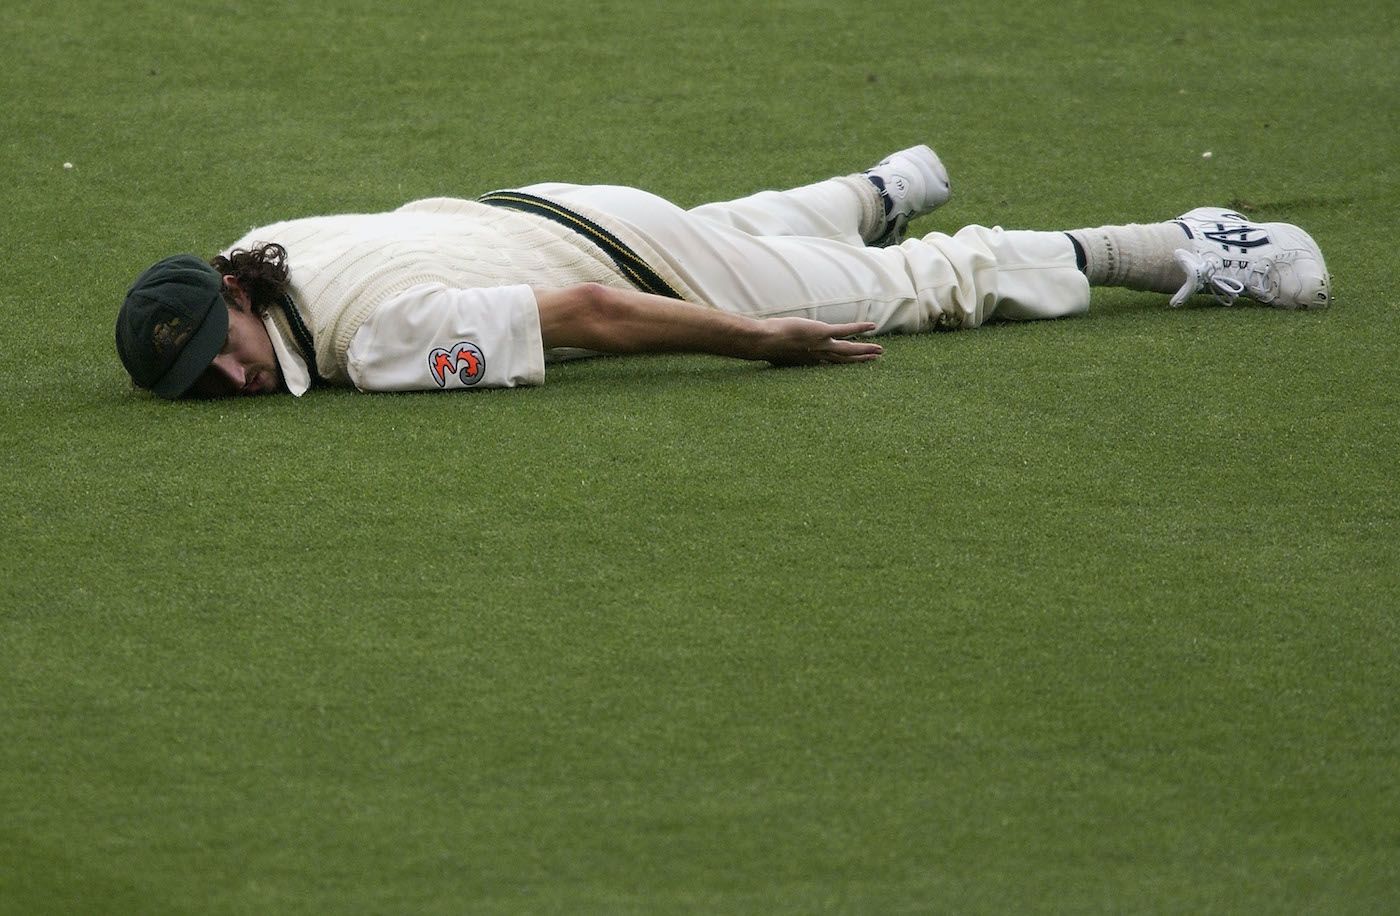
(342, 267)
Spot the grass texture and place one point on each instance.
(1089, 615)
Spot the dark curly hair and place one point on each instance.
(261, 271)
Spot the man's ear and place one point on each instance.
(239, 294)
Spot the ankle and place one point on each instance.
(1136, 256)
(874, 214)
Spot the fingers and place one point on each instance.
(848, 351)
(850, 329)
(836, 350)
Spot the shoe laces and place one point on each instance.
(1208, 272)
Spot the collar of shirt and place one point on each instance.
(295, 374)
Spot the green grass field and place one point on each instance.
(1090, 615)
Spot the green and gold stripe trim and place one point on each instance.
(304, 341)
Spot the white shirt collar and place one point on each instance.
(295, 375)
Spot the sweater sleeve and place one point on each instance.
(433, 337)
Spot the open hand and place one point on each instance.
(806, 342)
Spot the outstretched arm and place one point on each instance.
(607, 320)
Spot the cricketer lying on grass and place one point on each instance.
(448, 293)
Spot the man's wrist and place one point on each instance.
(756, 339)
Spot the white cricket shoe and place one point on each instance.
(1274, 263)
(912, 183)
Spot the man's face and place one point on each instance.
(246, 364)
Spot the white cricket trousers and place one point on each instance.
(799, 252)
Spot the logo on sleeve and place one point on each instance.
(465, 360)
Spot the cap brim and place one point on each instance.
(198, 353)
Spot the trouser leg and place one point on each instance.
(837, 209)
(1012, 274)
(958, 281)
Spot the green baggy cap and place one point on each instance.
(172, 324)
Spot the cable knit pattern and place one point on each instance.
(343, 267)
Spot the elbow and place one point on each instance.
(596, 299)
(599, 308)
(578, 316)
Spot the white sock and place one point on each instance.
(1138, 256)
